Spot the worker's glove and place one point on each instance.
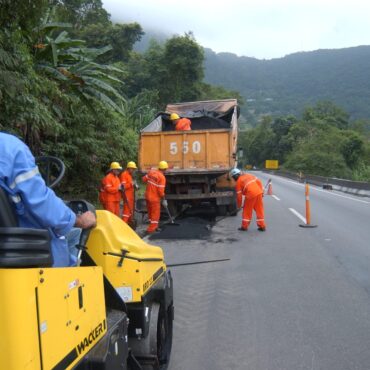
(164, 203)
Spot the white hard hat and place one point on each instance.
(235, 172)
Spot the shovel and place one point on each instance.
(133, 222)
(172, 222)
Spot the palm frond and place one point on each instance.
(103, 98)
(92, 53)
(101, 85)
(51, 26)
(7, 59)
(94, 73)
(54, 72)
(54, 51)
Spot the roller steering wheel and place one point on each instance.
(52, 170)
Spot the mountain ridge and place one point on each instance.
(287, 85)
(292, 82)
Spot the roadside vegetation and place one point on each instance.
(72, 86)
(322, 141)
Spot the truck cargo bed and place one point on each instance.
(199, 159)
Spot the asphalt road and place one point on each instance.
(290, 298)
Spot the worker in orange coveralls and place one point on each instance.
(181, 124)
(154, 194)
(128, 187)
(110, 190)
(252, 189)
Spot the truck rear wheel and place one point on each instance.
(222, 210)
(232, 209)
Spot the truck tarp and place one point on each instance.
(205, 115)
(191, 108)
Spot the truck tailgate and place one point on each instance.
(200, 150)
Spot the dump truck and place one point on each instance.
(113, 311)
(200, 159)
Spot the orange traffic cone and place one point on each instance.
(269, 189)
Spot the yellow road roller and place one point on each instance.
(113, 311)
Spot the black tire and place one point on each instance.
(158, 343)
(232, 209)
(164, 337)
(222, 210)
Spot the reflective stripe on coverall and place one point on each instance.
(252, 189)
(35, 204)
(127, 184)
(183, 124)
(111, 196)
(155, 185)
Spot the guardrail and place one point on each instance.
(360, 188)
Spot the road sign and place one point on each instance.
(272, 164)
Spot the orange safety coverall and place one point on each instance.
(252, 189)
(129, 196)
(183, 124)
(155, 185)
(102, 197)
(109, 193)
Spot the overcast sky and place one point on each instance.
(255, 28)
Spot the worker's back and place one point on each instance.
(249, 185)
(183, 124)
(156, 183)
(110, 185)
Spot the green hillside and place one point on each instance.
(287, 85)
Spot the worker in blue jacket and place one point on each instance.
(35, 204)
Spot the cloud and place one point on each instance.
(259, 28)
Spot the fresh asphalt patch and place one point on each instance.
(186, 228)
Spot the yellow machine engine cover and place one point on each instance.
(131, 265)
(50, 317)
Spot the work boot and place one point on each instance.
(157, 230)
(261, 229)
(242, 229)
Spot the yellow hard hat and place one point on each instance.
(163, 165)
(115, 166)
(174, 116)
(131, 164)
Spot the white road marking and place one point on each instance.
(325, 191)
(297, 214)
(274, 196)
